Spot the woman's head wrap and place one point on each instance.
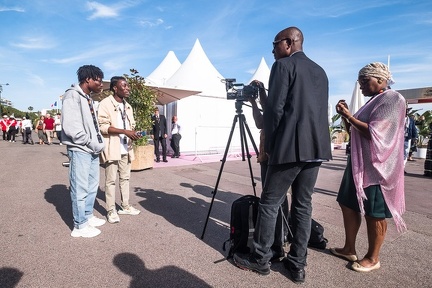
(377, 70)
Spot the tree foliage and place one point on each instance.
(142, 100)
(424, 126)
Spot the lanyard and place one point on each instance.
(90, 103)
(123, 116)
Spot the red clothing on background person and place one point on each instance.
(49, 127)
(3, 125)
(49, 123)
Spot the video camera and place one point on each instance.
(239, 91)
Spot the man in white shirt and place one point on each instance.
(27, 131)
(175, 137)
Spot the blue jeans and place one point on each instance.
(302, 178)
(84, 184)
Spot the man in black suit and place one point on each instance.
(159, 135)
(297, 141)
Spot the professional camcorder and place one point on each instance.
(239, 91)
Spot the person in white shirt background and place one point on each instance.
(175, 137)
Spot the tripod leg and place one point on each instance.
(250, 135)
(220, 174)
(242, 138)
(242, 122)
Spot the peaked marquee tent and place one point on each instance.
(207, 117)
(262, 73)
(157, 81)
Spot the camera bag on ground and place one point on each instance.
(316, 239)
(244, 212)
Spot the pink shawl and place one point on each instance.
(380, 160)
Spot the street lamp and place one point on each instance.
(1, 104)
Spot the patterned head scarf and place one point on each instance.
(377, 70)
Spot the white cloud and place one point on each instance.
(35, 43)
(154, 23)
(101, 11)
(12, 9)
(100, 51)
(35, 79)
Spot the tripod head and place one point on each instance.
(239, 105)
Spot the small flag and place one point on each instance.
(54, 105)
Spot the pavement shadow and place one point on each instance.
(10, 277)
(325, 191)
(191, 213)
(168, 276)
(59, 196)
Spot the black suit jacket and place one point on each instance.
(160, 125)
(295, 120)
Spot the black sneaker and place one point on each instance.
(248, 262)
(297, 274)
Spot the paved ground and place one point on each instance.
(161, 247)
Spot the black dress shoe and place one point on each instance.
(297, 274)
(158, 160)
(165, 160)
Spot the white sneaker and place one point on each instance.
(113, 217)
(96, 222)
(129, 210)
(86, 232)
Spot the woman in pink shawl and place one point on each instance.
(373, 182)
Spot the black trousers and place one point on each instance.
(162, 141)
(11, 134)
(175, 144)
(428, 161)
(28, 136)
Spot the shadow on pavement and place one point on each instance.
(59, 196)
(168, 276)
(10, 277)
(189, 213)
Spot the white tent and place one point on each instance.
(262, 73)
(357, 99)
(198, 73)
(206, 119)
(169, 65)
(156, 81)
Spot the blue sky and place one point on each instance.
(44, 42)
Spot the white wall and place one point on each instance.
(206, 123)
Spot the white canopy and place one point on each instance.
(262, 73)
(198, 73)
(169, 65)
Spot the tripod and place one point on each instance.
(244, 147)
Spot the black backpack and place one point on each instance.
(244, 213)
